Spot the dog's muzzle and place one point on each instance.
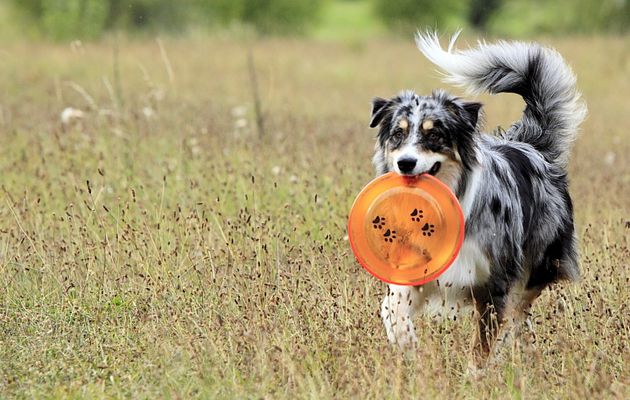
(406, 166)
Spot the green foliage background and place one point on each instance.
(508, 17)
(66, 19)
(89, 19)
(267, 16)
(517, 17)
(408, 15)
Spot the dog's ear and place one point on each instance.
(471, 112)
(379, 108)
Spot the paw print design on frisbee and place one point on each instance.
(428, 229)
(416, 215)
(389, 236)
(378, 222)
(406, 230)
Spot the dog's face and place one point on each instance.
(432, 134)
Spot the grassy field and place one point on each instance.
(156, 247)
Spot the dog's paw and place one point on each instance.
(404, 341)
(475, 371)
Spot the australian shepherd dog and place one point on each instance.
(512, 185)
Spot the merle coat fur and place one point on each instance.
(512, 185)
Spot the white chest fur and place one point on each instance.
(451, 292)
(470, 267)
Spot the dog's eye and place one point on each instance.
(397, 134)
(432, 136)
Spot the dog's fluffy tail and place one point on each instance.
(554, 108)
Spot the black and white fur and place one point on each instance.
(512, 185)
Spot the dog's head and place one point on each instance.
(418, 134)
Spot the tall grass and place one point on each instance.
(155, 247)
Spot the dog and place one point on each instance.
(512, 185)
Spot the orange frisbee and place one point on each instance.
(406, 230)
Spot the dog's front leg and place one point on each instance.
(399, 306)
(490, 304)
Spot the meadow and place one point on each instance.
(158, 246)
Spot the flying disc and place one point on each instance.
(406, 230)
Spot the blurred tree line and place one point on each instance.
(512, 17)
(64, 19)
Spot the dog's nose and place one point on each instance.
(406, 165)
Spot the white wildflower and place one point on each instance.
(239, 112)
(148, 112)
(70, 114)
